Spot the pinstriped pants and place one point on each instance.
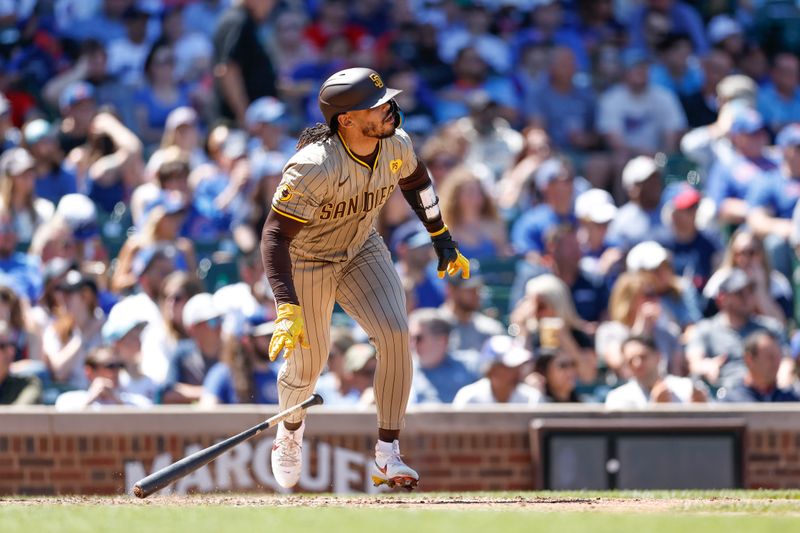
(369, 290)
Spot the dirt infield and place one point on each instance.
(414, 501)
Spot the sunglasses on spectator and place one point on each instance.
(566, 365)
(749, 252)
(213, 323)
(114, 365)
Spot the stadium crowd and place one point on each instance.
(624, 174)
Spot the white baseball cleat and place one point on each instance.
(287, 456)
(389, 469)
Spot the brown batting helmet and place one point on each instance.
(351, 89)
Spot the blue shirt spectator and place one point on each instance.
(682, 17)
(440, 384)
(640, 218)
(219, 384)
(779, 100)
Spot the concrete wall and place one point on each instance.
(490, 448)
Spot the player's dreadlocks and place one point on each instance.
(316, 133)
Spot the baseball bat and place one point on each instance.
(160, 479)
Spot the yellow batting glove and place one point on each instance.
(289, 332)
(450, 259)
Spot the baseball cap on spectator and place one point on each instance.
(55, 268)
(75, 93)
(133, 12)
(789, 136)
(736, 280)
(357, 356)
(638, 170)
(633, 57)
(501, 349)
(723, 26)
(264, 110)
(145, 257)
(747, 121)
(551, 170)
(16, 161)
(125, 316)
(180, 116)
(37, 130)
(235, 144)
(257, 324)
(647, 255)
(75, 281)
(685, 197)
(595, 205)
(735, 87)
(412, 234)
(80, 214)
(200, 308)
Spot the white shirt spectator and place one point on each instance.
(640, 119)
(76, 401)
(141, 386)
(480, 393)
(126, 60)
(633, 396)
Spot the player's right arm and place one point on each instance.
(293, 205)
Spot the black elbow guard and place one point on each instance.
(424, 202)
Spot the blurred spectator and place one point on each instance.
(676, 69)
(638, 118)
(243, 374)
(771, 202)
(546, 318)
(557, 374)
(168, 334)
(412, 247)
(79, 217)
(702, 104)
(548, 26)
(554, 181)
(331, 21)
(694, 253)
(122, 334)
(41, 312)
(103, 369)
(640, 218)
(417, 102)
(416, 44)
(475, 32)
(729, 180)
(595, 210)
(530, 70)
(160, 94)
(678, 297)
(193, 50)
(491, 141)
(437, 375)
(53, 181)
(105, 23)
(202, 16)
(164, 217)
(191, 362)
(762, 357)
(243, 69)
(635, 309)
(472, 216)
(565, 107)
(678, 16)
(77, 105)
(266, 120)
(334, 383)
(779, 100)
(714, 349)
(88, 80)
(74, 332)
(181, 139)
(252, 293)
(15, 390)
(289, 49)
(18, 193)
(726, 34)
(108, 165)
(753, 62)
(126, 56)
(357, 375)
(462, 307)
(23, 271)
(15, 313)
(648, 383)
(516, 188)
(472, 73)
(772, 291)
(597, 24)
(502, 381)
(54, 240)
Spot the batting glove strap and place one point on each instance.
(450, 259)
(289, 331)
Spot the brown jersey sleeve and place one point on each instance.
(278, 233)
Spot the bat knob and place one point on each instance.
(317, 399)
(138, 491)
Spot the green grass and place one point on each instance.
(683, 512)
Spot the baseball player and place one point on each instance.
(320, 246)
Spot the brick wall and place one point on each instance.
(42, 452)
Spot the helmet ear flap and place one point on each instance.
(399, 117)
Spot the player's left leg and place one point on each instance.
(369, 290)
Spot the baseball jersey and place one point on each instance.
(338, 196)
